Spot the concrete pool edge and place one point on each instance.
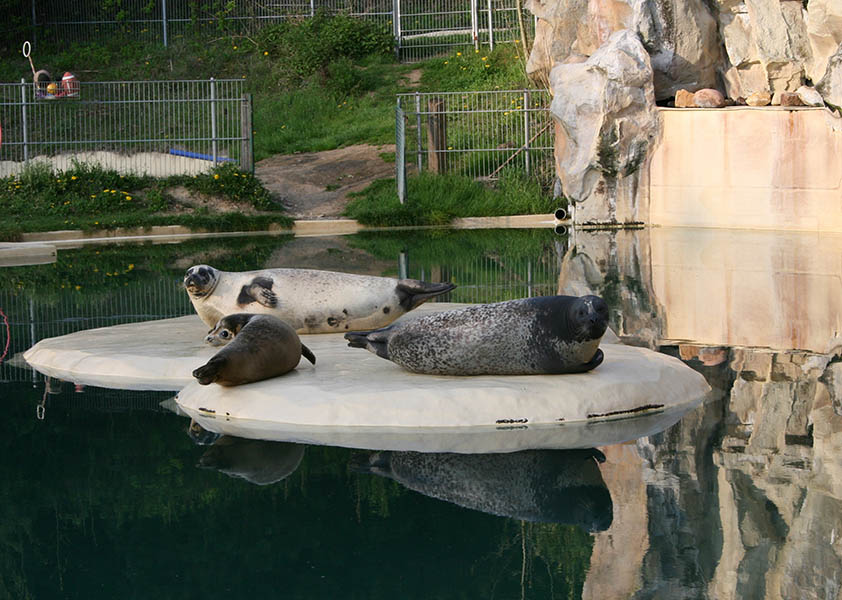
(301, 227)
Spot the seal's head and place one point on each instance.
(227, 328)
(200, 280)
(588, 318)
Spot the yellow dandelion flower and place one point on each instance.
(128, 197)
(93, 195)
(96, 223)
(476, 51)
(72, 177)
(517, 41)
(445, 62)
(216, 175)
(486, 66)
(265, 53)
(484, 58)
(235, 47)
(458, 54)
(131, 266)
(78, 287)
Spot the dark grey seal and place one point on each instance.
(543, 335)
(263, 347)
(548, 486)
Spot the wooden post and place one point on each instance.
(436, 136)
(247, 143)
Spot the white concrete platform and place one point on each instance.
(463, 440)
(350, 387)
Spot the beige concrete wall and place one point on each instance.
(743, 167)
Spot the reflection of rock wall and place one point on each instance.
(615, 265)
(778, 502)
(755, 514)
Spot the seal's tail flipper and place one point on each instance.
(208, 372)
(358, 339)
(308, 354)
(374, 341)
(413, 292)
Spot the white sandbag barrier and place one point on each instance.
(353, 398)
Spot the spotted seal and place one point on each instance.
(263, 347)
(547, 334)
(311, 301)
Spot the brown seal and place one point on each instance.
(263, 347)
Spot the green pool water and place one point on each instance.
(105, 495)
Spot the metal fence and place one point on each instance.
(154, 127)
(478, 134)
(422, 28)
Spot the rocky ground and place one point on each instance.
(315, 185)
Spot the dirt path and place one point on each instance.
(315, 185)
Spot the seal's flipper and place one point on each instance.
(374, 341)
(308, 354)
(260, 291)
(413, 292)
(591, 364)
(358, 339)
(208, 372)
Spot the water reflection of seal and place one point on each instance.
(549, 334)
(311, 301)
(557, 486)
(263, 347)
(257, 461)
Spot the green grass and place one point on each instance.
(89, 197)
(438, 199)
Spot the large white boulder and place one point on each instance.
(605, 112)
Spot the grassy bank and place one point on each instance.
(438, 199)
(90, 198)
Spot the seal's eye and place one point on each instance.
(223, 333)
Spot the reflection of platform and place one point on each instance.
(354, 388)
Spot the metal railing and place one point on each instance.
(422, 28)
(478, 134)
(154, 127)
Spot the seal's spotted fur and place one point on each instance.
(550, 334)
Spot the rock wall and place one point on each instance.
(755, 51)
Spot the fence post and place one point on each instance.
(312, 9)
(436, 135)
(23, 115)
(475, 24)
(403, 265)
(400, 152)
(526, 130)
(490, 27)
(247, 144)
(213, 118)
(34, 28)
(396, 26)
(418, 129)
(164, 19)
